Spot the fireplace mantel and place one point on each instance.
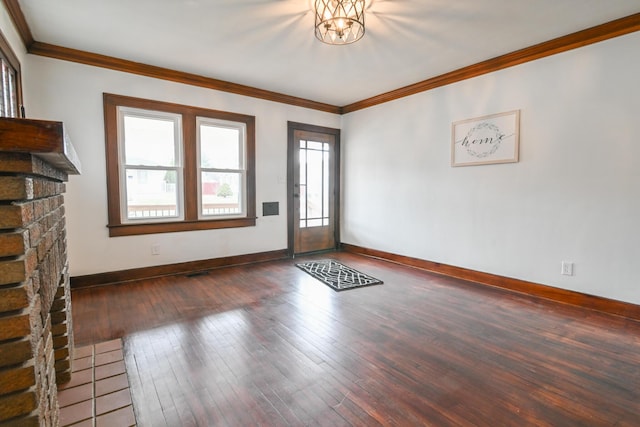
(42, 138)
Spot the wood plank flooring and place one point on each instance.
(267, 344)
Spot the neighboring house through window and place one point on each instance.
(173, 168)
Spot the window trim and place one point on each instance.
(9, 55)
(191, 221)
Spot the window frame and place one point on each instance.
(8, 56)
(191, 221)
(242, 170)
(178, 167)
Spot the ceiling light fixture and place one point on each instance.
(339, 21)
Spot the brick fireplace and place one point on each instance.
(36, 335)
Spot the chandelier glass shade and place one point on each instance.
(339, 21)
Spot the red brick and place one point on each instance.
(15, 326)
(16, 215)
(16, 298)
(32, 420)
(18, 270)
(14, 243)
(17, 404)
(19, 378)
(14, 352)
(16, 188)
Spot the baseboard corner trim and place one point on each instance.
(591, 302)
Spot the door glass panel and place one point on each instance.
(303, 167)
(315, 180)
(303, 203)
(325, 183)
(303, 184)
(312, 145)
(314, 183)
(314, 222)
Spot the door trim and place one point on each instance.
(291, 127)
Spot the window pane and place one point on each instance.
(303, 166)
(314, 223)
(13, 91)
(311, 145)
(221, 193)
(303, 202)
(325, 184)
(151, 193)
(5, 92)
(219, 147)
(314, 184)
(149, 141)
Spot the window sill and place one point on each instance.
(116, 230)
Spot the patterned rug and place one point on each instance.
(336, 275)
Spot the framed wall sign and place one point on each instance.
(486, 140)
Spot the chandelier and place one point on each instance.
(339, 21)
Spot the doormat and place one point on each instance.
(336, 275)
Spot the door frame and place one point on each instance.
(291, 152)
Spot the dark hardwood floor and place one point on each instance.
(267, 344)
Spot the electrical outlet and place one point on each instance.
(155, 249)
(567, 268)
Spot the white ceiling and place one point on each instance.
(270, 44)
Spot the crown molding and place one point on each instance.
(124, 65)
(15, 12)
(571, 41)
(612, 29)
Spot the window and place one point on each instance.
(10, 87)
(221, 169)
(151, 165)
(177, 168)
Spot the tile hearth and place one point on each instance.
(98, 394)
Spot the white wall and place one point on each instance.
(72, 93)
(574, 195)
